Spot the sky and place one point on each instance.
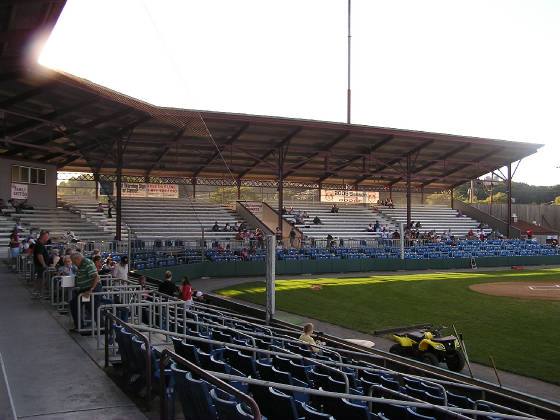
(478, 67)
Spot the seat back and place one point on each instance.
(199, 396)
(284, 406)
(309, 413)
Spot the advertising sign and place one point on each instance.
(254, 207)
(139, 190)
(19, 191)
(348, 196)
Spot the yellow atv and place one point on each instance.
(428, 346)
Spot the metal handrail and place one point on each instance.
(167, 355)
(110, 316)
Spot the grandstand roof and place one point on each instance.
(57, 118)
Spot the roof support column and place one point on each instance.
(118, 226)
(194, 188)
(238, 184)
(451, 195)
(422, 195)
(320, 190)
(280, 186)
(391, 193)
(408, 215)
(96, 181)
(508, 188)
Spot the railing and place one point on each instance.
(109, 316)
(167, 355)
(496, 224)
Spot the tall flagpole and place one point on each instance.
(348, 92)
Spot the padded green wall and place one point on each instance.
(248, 269)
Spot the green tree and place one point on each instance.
(226, 195)
(557, 201)
(497, 198)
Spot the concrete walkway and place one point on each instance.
(524, 384)
(47, 372)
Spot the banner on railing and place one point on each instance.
(139, 190)
(349, 196)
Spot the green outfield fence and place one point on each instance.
(247, 269)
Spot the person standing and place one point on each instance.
(40, 262)
(186, 291)
(110, 209)
(14, 247)
(120, 270)
(292, 238)
(86, 282)
(167, 287)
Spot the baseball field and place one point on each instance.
(511, 315)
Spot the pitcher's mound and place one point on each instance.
(528, 290)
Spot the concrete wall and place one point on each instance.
(545, 215)
(39, 195)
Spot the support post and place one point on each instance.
(508, 188)
(451, 195)
(422, 195)
(194, 188)
(96, 180)
(349, 91)
(391, 193)
(270, 277)
(280, 187)
(238, 183)
(401, 231)
(408, 212)
(118, 225)
(491, 192)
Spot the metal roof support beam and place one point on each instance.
(280, 186)
(284, 142)
(83, 127)
(166, 149)
(26, 95)
(508, 188)
(327, 148)
(460, 168)
(28, 127)
(338, 168)
(118, 226)
(230, 141)
(408, 204)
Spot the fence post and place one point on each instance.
(270, 277)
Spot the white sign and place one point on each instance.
(349, 196)
(254, 207)
(139, 190)
(19, 191)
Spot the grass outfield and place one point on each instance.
(522, 335)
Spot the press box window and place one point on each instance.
(29, 175)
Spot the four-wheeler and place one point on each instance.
(428, 346)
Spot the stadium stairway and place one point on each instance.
(6, 228)
(47, 373)
(439, 218)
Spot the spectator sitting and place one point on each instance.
(239, 236)
(67, 268)
(100, 208)
(316, 220)
(334, 208)
(390, 203)
(470, 234)
(305, 215)
(418, 225)
(167, 287)
(227, 228)
(216, 227)
(70, 237)
(284, 211)
(298, 219)
(291, 210)
(370, 228)
(278, 235)
(235, 227)
(306, 336)
(377, 226)
(459, 214)
(396, 235)
(110, 209)
(244, 253)
(3, 204)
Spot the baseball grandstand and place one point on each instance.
(275, 222)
